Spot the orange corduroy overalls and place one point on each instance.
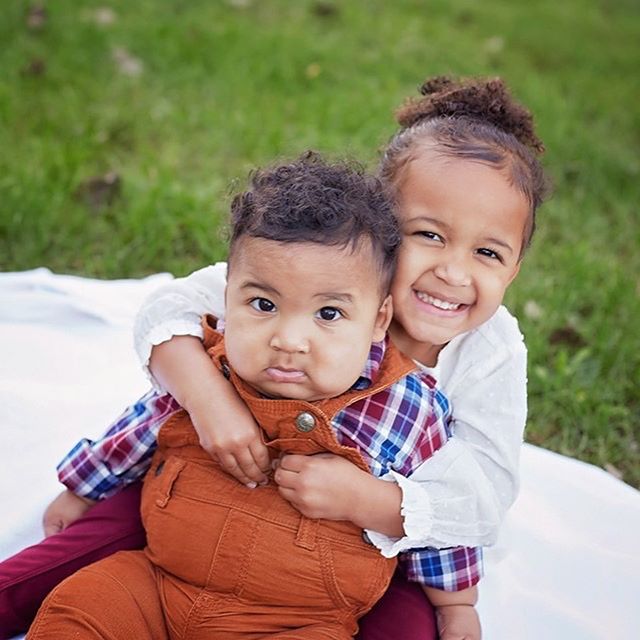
(227, 562)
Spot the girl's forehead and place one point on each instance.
(464, 193)
(436, 177)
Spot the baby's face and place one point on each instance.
(462, 231)
(300, 317)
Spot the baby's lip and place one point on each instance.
(285, 374)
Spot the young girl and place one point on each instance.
(467, 181)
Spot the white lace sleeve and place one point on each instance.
(176, 309)
(459, 496)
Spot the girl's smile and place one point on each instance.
(463, 226)
(439, 305)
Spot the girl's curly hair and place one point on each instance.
(474, 119)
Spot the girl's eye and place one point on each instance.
(430, 235)
(262, 304)
(490, 253)
(329, 314)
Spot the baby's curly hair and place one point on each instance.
(474, 119)
(311, 200)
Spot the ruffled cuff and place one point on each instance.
(159, 334)
(417, 512)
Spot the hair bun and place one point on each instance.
(483, 100)
(436, 85)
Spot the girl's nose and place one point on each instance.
(454, 271)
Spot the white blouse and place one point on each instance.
(460, 495)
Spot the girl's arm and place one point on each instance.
(461, 494)
(176, 309)
(458, 496)
(167, 338)
(225, 426)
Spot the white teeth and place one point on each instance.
(441, 304)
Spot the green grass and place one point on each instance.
(228, 85)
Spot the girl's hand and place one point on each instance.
(326, 486)
(228, 432)
(323, 485)
(224, 424)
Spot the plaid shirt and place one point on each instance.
(397, 428)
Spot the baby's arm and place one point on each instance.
(94, 470)
(456, 614)
(63, 510)
(167, 338)
(97, 469)
(449, 577)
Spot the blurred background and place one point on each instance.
(125, 127)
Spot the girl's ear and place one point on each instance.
(383, 319)
(515, 272)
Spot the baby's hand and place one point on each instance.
(458, 622)
(64, 510)
(320, 486)
(230, 435)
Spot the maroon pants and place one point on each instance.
(114, 525)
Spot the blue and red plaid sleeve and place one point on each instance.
(400, 428)
(451, 569)
(100, 468)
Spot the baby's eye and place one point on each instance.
(329, 314)
(263, 304)
(490, 253)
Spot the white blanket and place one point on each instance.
(567, 565)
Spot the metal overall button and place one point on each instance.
(305, 422)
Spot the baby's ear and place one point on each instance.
(383, 319)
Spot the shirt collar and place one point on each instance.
(372, 365)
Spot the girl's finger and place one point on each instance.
(260, 454)
(285, 479)
(292, 462)
(249, 467)
(229, 463)
(289, 495)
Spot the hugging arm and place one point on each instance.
(459, 496)
(167, 337)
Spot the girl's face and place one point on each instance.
(463, 226)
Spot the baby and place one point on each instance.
(311, 258)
